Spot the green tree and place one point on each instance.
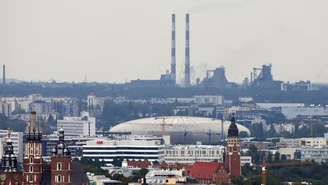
(237, 180)
(243, 134)
(277, 157)
(270, 157)
(271, 132)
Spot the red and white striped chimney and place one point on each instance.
(187, 56)
(173, 56)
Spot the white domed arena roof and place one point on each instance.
(181, 128)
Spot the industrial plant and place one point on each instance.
(214, 78)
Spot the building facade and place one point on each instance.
(78, 126)
(61, 163)
(129, 149)
(232, 157)
(33, 153)
(189, 154)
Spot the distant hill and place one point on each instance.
(9, 80)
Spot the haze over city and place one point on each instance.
(115, 41)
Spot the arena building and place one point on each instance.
(182, 129)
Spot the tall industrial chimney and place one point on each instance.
(187, 57)
(173, 57)
(4, 75)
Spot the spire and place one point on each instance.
(233, 129)
(9, 159)
(9, 132)
(33, 131)
(61, 149)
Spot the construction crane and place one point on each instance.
(163, 124)
(185, 136)
(286, 163)
(210, 133)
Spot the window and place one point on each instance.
(59, 178)
(31, 159)
(31, 178)
(59, 166)
(31, 168)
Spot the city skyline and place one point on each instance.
(118, 41)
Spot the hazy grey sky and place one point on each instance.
(115, 40)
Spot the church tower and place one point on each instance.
(10, 174)
(61, 162)
(33, 152)
(232, 158)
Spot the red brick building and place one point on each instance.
(60, 172)
(232, 157)
(33, 153)
(61, 163)
(209, 172)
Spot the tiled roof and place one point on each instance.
(140, 164)
(204, 170)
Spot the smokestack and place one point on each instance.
(173, 58)
(187, 57)
(4, 75)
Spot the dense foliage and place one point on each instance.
(82, 90)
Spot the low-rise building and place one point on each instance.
(189, 154)
(101, 180)
(319, 155)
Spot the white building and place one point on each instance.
(216, 100)
(189, 154)
(6, 109)
(17, 138)
(288, 153)
(291, 112)
(317, 154)
(245, 99)
(286, 105)
(94, 102)
(245, 160)
(284, 127)
(317, 142)
(78, 126)
(133, 148)
(165, 177)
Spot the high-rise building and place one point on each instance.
(78, 126)
(232, 158)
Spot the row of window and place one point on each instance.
(121, 148)
(192, 152)
(118, 153)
